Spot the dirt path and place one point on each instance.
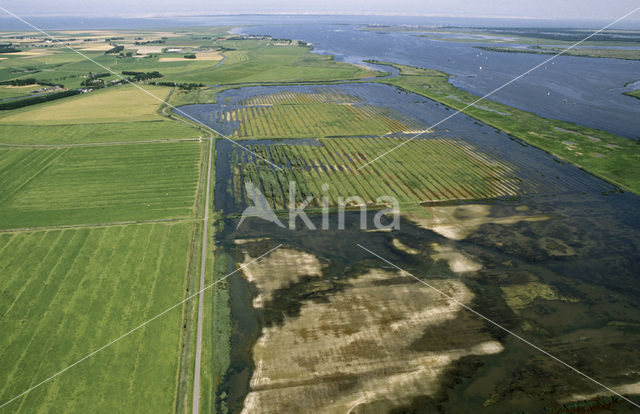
(203, 265)
(90, 225)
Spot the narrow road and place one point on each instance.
(203, 265)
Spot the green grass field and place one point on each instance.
(84, 185)
(264, 61)
(115, 114)
(117, 104)
(606, 155)
(68, 292)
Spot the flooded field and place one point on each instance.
(443, 164)
(341, 330)
(322, 325)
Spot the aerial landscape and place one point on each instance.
(303, 208)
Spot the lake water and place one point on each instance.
(586, 91)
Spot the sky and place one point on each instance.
(538, 9)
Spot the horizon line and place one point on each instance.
(310, 13)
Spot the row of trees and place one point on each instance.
(29, 81)
(32, 100)
(140, 76)
(187, 86)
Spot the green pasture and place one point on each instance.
(66, 293)
(85, 185)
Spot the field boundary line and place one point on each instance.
(503, 86)
(181, 112)
(97, 225)
(451, 298)
(99, 144)
(242, 266)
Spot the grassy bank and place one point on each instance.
(603, 154)
(584, 52)
(635, 94)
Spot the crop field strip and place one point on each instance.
(67, 292)
(327, 112)
(323, 95)
(438, 169)
(80, 185)
(18, 167)
(17, 134)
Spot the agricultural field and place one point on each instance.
(253, 61)
(235, 59)
(323, 113)
(113, 114)
(67, 292)
(45, 187)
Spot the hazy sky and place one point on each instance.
(539, 9)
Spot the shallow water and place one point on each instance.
(596, 270)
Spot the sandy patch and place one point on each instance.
(145, 48)
(633, 388)
(382, 230)
(404, 248)
(278, 270)
(458, 262)
(97, 47)
(215, 56)
(589, 137)
(33, 52)
(33, 85)
(354, 349)
(458, 222)
(252, 240)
